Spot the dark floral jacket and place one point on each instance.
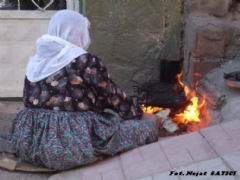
(82, 85)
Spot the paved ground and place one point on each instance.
(213, 149)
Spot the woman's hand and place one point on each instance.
(152, 117)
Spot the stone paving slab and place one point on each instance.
(164, 176)
(233, 160)
(105, 165)
(208, 166)
(232, 128)
(216, 164)
(100, 170)
(144, 161)
(224, 138)
(238, 176)
(146, 178)
(187, 149)
(115, 174)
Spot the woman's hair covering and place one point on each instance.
(67, 38)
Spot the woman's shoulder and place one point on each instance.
(87, 60)
(86, 56)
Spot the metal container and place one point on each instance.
(232, 79)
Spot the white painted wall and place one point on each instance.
(19, 31)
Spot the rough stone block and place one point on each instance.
(208, 48)
(210, 42)
(209, 39)
(234, 33)
(195, 69)
(215, 7)
(232, 52)
(212, 32)
(202, 33)
(203, 67)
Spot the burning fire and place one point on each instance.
(191, 112)
(151, 109)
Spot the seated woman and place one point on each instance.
(66, 91)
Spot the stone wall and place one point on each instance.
(212, 31)
(132, 36)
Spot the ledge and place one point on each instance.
(13, 92)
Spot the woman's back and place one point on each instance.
(84, 84)
(68, 89)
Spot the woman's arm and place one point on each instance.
(152, 117)
(108, 93)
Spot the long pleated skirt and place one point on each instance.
(63, 140)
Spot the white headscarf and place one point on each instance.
(66, 39)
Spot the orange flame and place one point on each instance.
(191, 112)
(151, 109)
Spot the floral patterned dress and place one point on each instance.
(64, 124)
